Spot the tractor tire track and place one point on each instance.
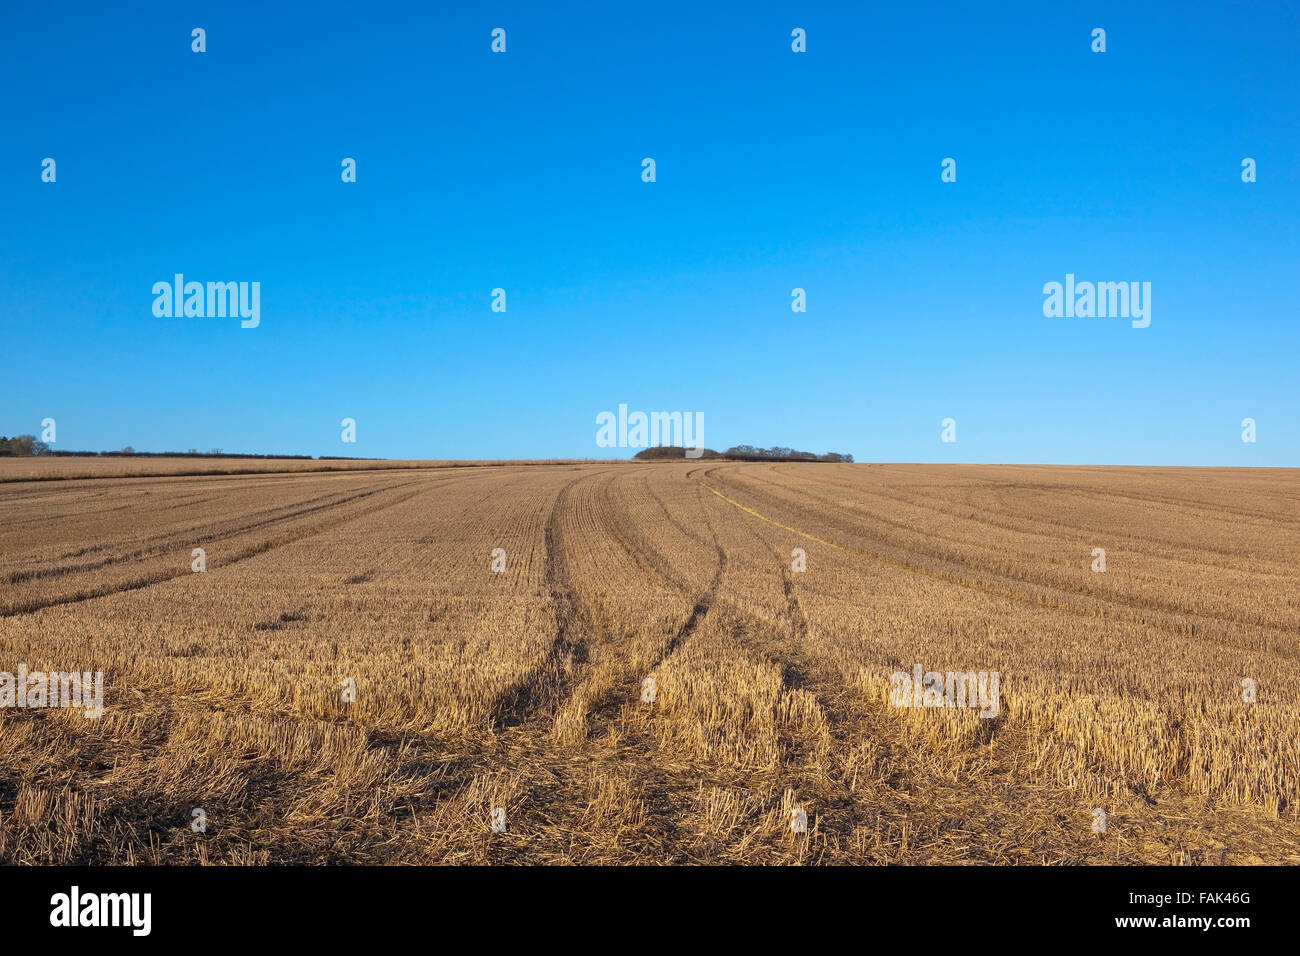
(173, 540)
(885, 798)
(541, 690)
(1092, 607)
(121, 587)
(663, 568)
(1040, 527)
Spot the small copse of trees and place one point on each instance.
(23, 445)
(740, 453)
(778, 453)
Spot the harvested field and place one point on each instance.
(56, 468)
(1125, 691)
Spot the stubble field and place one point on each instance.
(1123, 692)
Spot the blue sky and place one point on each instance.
(775, 170)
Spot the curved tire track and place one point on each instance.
(1053, 598)
(91, 593)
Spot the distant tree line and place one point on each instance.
(741, 453)
(23, 445)
(28, 445)
(657, 452)
(778, 453)
(129, 452)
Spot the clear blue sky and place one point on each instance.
(775, 170)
